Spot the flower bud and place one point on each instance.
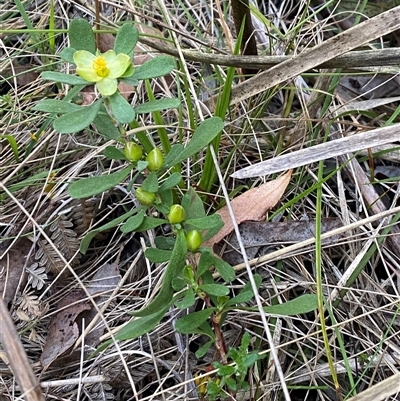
(155, 159)
(176, 214)
(144, 197)
(133, 152)
(194, 240)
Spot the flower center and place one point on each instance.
(100, 66)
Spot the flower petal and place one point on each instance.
(89, 74)
(84, 65)
(107, 86)
(84, 59)
(118, 65)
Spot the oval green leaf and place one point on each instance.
(150, 183)
(121, 109)
(91, 234)
(87, 187)
(126, 39)
(63, 78)
(187, 301)
(56, 106)
(203, 135)
(77, 120)
(81, 35)
(204, 223)
(154, 68)
(113, 153)
(216, 290)
(157, 105)
(190, 322)
(134, 222)
(173, 269)
(302, 304)
(158, 255)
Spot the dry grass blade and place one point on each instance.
(17, 356)
(378, 26)
(381, 390)
(337, 147)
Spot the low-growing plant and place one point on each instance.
(154, 174)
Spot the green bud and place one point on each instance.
(144, 197)
(133, 152)
(176, 214)
(155, 159)
(188, 273)
(194, 240)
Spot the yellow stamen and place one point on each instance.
(100, 66)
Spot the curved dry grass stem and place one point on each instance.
(162, 366)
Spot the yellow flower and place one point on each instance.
(103, 69)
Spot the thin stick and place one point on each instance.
(17, 357)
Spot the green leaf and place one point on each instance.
(173, 180)
(56, 106)
(216, 290)
(63, 78)
(249, 359)
(193, 205)
(105, 126)
(187, 301)
(121, 109)
(206, 261)
(87, 187)
(204, 223)
(67, 54)
(226, 271)
(143, 325)
(165, 243)
(173, 269)
(173, 153)
(157, 255)
(81, 35)
(246, 293)
(167, 200)
(157, 105)
(154, 68)
(302, 304)
(206, 329)
(13, 144)
(150, 183)
(203, 349)
(77, 120)
(192, 321)
(203, 135)
(212, 231)
(149, 223)
(126, 39)
(226, 370)
(178, 283)
(113, 153)
(142, 165)
(129, 80)
(91, 234)
(134, 222)
(231, 383)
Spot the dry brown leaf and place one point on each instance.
(63, 330)
(12, 267)
(251, 205)
(103, 282)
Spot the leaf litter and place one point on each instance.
(252, 205)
